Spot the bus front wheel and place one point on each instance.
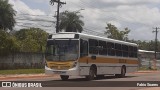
(92, 73)
(64, 77)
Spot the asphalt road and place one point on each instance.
(107, 83)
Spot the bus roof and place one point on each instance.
(145, 51)
(71, 35)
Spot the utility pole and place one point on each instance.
(59, 4)
(155, 53)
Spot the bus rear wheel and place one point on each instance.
(123, 72)
(64, 77)
(92, 73)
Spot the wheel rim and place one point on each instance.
(92, 73)
(123, 72)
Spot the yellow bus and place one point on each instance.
(78, 54)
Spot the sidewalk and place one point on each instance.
(152, 88)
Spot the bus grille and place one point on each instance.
(60, 67)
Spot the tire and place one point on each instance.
(64, 77)
(117, 75)
(123, 72)
(91, 75)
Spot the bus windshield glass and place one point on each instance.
(62, 50)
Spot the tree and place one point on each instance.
(32, 40)
(7, 14)
(146, 45)
(114, 33)
(71, 22)
(8, 43)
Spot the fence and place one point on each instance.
(36, 60)
(22, 60)
(147, 59)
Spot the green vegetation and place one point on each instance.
(146, 68)
(25, 40)
(113, 32)
(8, 43)
(7, 13)
(31, 40)
(146, 45)
(21, 71)
(71, 22)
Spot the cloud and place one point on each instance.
(114, 3)
(22, 8)
(142, 33)
(27, 17)
(138, 15)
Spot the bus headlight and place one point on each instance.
(74, 64)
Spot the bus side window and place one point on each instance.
(83, 48)
(93, 46)
(102, 48)
(111, 49)
(131, 52)
(135, 52)
(125, 50)
(118, 49)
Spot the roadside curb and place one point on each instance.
(147, 71)
(26, 76)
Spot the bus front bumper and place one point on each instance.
(70, 72)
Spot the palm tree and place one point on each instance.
(71, 22)
(7, 14)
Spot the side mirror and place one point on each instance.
(93, 57)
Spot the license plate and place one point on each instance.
(59, 72)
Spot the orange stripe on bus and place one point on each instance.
(107, 60)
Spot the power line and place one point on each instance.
(35, 15)
(43, 20)
(34, 26)
(93, 32)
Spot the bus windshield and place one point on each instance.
(62, 50)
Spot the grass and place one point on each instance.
(21, 71)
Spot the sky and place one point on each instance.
(140, 16)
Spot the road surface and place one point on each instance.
(79, 83)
